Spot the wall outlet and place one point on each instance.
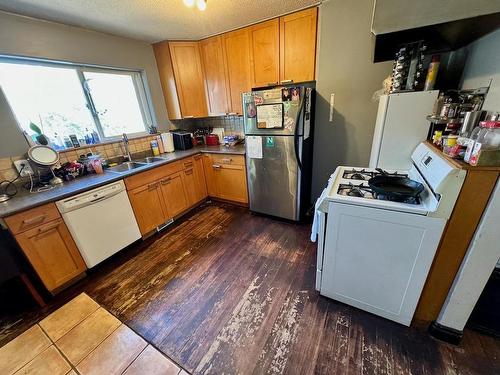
(27, 170)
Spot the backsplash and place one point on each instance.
(106, 150)
(232, 124)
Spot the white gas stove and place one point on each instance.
(374, 253)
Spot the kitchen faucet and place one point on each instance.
(125, 144)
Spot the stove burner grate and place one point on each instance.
(364, 175)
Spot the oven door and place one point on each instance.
(377, 260)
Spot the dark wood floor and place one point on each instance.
(229, 292)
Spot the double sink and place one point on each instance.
(135, 164)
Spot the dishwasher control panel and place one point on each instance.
(90, 197)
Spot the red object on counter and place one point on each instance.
(212, 140)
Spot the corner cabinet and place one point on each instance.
(298, 46)
(189, 77)
(47, 244)
(226, 177)
(214, 65)
(236, 47)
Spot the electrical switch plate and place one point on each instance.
(26, 171)
(332, 105)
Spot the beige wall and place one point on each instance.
(483, 66)
(30, 37)
(346, 68)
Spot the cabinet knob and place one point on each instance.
(216, 166)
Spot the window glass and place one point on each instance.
(64, 102)
(116, 103)
(48, 98)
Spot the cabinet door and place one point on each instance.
(166, 72)
(53, 253)
(231, 182)
(174, 196)
(147, 205)
(209, 175)
(213, 61)
(236, 45)
(189, 181)
(189, 78)
(298, 45)
(199, 173)
(265, 53)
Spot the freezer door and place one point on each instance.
(292, 112)
(273, 186)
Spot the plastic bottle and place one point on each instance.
(432, 72)
(486, 137)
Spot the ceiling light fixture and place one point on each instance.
(189, 3)
(201, 4)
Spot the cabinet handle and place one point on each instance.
(188, 164)
(153, 186)
(188, 171)
(285, 81)
(197, 157)
(34, 220)
(216, 166)
(187, 116)
(227, 161)
(48, 227)
(166, 181)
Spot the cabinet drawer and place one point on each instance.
(187, 163)
(228, 159)
(31, 218)
(152, 175)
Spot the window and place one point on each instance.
(64, 101)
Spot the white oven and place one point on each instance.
(375, 254)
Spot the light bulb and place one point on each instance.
(189, 3)
(201, 4)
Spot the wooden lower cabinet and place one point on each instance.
(52, 253)
(148, 208)
(226, 177)
(174, 195)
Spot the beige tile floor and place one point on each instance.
(82, 338)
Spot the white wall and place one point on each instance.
(29, 37)
(345, 67)
(483, 65)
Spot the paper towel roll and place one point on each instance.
(168, 142)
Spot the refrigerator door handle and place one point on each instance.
(296, 136)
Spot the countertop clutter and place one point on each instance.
(25, 200)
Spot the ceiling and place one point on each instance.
(154, 20)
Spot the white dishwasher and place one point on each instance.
(101, 221)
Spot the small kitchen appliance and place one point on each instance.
(278, 124)
(182, 140)
(212, 140)
(375, 250)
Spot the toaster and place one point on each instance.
(182, 140)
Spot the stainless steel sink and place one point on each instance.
(150, 159)
(125, 167)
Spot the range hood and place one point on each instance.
(439, 38)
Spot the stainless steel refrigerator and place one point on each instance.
(278, 125)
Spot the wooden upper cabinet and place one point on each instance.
(166, 72)
(264, 49)
(236, 46)
(298, 45)
(189, 78)
(213, 60)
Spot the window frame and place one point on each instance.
(139, 80)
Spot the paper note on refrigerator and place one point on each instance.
(270, 116)
(254, 146)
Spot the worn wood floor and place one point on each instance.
(229, 292)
